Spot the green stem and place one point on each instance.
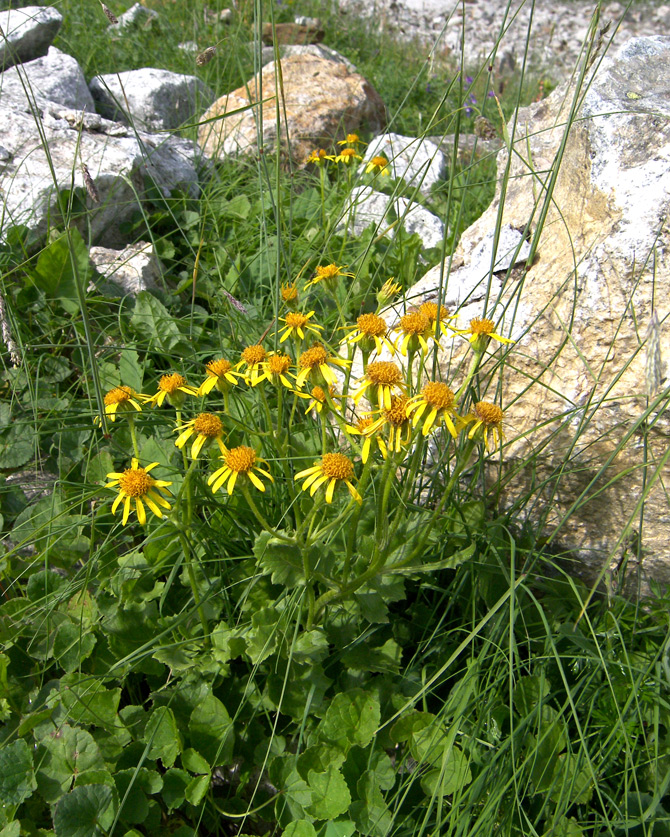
(133, 436)
(194, 584)
(474, 365)
(259, 517)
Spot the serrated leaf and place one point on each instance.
(283, 561)
(35, 522)
(371, 813)
(88, 702)
(73, 645)
(130, 369)
(62, 755)
(88, 811)
(152, 321)
(211, 731)
(99, 466)
(162, 736)
(17, 780)
(330, 794)
(352, 718)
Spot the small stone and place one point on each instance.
(27, 33)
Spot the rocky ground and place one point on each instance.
(558, 28)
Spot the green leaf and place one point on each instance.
(452, 775)
(36, 522)
(194, 762)
(310, 646)
(87, 811)
(99, 466)
(162, 736)
(133, 785)
(281, 560)
(88, 702)
(352, 718)
(175, 782)
(371, 813)
(130, 369)
(364, 658)
(238, 207)
(62, 264)
(331, 796)
(211, 731)
(61, 756)
(154, 325)
(16, 446)
(263, 635)
(73, 645)
(17, 780)
(12, 829)
(196, 789)
(341, 828)
(300, 828)
(528, 693)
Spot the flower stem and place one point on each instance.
(188, 554)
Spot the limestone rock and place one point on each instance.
(321, 98)
(370, 207)
(150, 99)
(56, 77)
(291, 33)
(120, 162)
(136, 16)
(27, 33)
(133, 269)
(585, 391)
(319, 50)
(419, 162)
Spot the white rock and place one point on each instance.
(151, 99)
(27, 33)
(319, 50)
(137, 15)
(135, 268)
(368, 206)
(188, 46)
(56, 77)
(419, 162)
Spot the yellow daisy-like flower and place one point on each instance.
(438, 400)
(489, 418)
(207, 428)
(361, 428)
(333, 468)
(289, 293)
(370, 332)
(119, 400)
(298, 323)
(275, 370)
(318, 156)
(239, 463)
(397, 421)
(481, 331)
(434, 314)
(219, 375)
(388, 292)
(253, 358)
(413, 329)
(347, 156)
(174, 388)
(315, 363)
(378, 164)
(136, 484)
(385, 378)
(329, 274)
(318, 400)
(352, 139)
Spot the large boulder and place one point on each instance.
(584, 388)
(419, 162)
(56, 77)
(150, 99)
(27, 33)
(321, 99)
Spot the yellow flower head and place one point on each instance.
(385, 379)
(434, 314)
(413, 329)
(388, 292)
(378, 164)
(437, 400)
(352, 139)
(333, 468)
(397, 421)
(328, 274)
(318, 400)
(489, 418)
(219, 375)
(316, 364)
(207, 428)
(361, 428)
(347, 156)
(289, 294)
(297, 324)
(318, 156)
(136, 484)
(174, 388)
(239, 463)
(370, 332)
(120, 400)
(481, 331)
(275, 370)
(252, 358)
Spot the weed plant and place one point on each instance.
(251, 581)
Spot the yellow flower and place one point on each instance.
(481, 331)
(119, 400)
(385, 378)
(207, 427)
(413, 329)
(352, 139)
(318, 400)
(289, 293)
(370, 331)
(239, 463)
(252, 357)
(333, 468)
(388, 291)
(318, 156)
(489, 418)
(220, 375)
(315, 363)
(275, 370)
(397, 420)
(438, 400)
(347, 156)
(378, 164)
(299, 323)
(434, 314)
(173, 387)
(329, 274)
(361, 429)
(136, 484)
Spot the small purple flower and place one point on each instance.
(491, 94)
(469, 79)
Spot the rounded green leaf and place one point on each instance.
(352, 718)
(88, 811)
(300, 828)
(17, 781)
